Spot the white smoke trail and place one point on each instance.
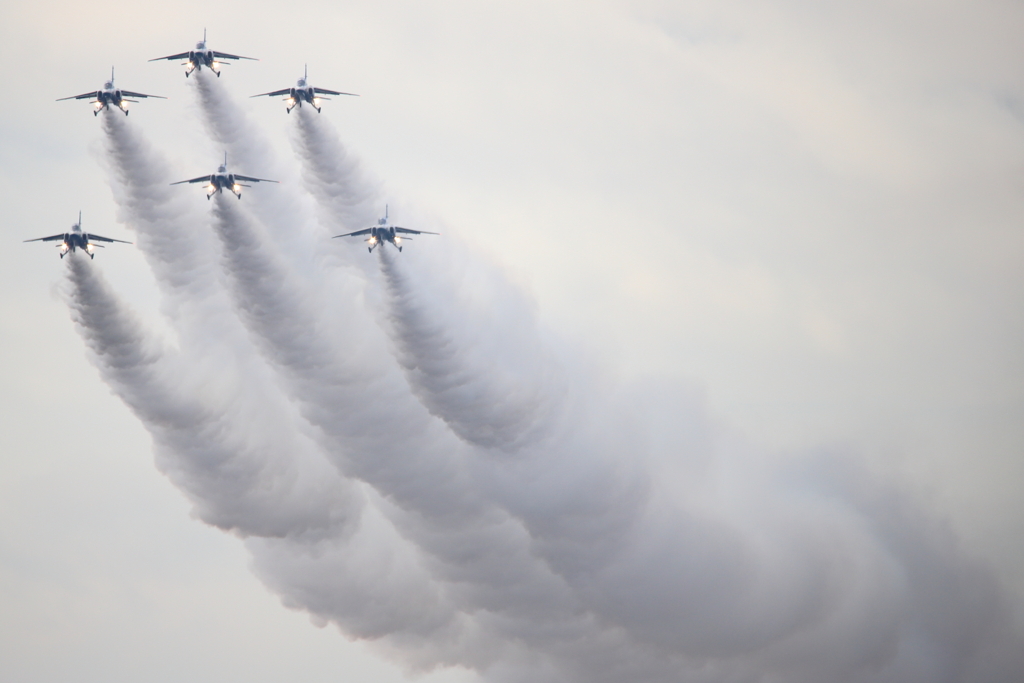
(333, 175)
(624, 540)
(343, 376)
(588, 513)
(511, 400)
(302, 512)
(254, 429)
(281, 208)
(498, 387)
(742, 600)
(392, 444)
(234, 484)
(516, 390)
(436, 507)
(220, 369)
(507, 409)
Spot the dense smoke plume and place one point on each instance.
(202, 405)
(413, 457)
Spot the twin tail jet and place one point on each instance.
(223, 180)
(109, 96)
(303, 92)
(76, 239)
(202, 56)
(382, 232)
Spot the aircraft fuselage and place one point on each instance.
(223, 181)
(76, 240)
(199, 58)
(299, 94)
(105, 98)
(384, 233)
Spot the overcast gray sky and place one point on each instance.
(804, 218)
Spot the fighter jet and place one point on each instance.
(76, 239)
(302, 92)
(110, 95)
(382, 232)
(202, 56)
(221, 180)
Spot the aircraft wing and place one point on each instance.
(183, 55)
(90, 237)
(357, 232)
(94, 93)
(129, 93)
(253, 180)
(414, 232)
(274, 94)
(225, 55)
(51, 238)
(200, 179)
(325, 91)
